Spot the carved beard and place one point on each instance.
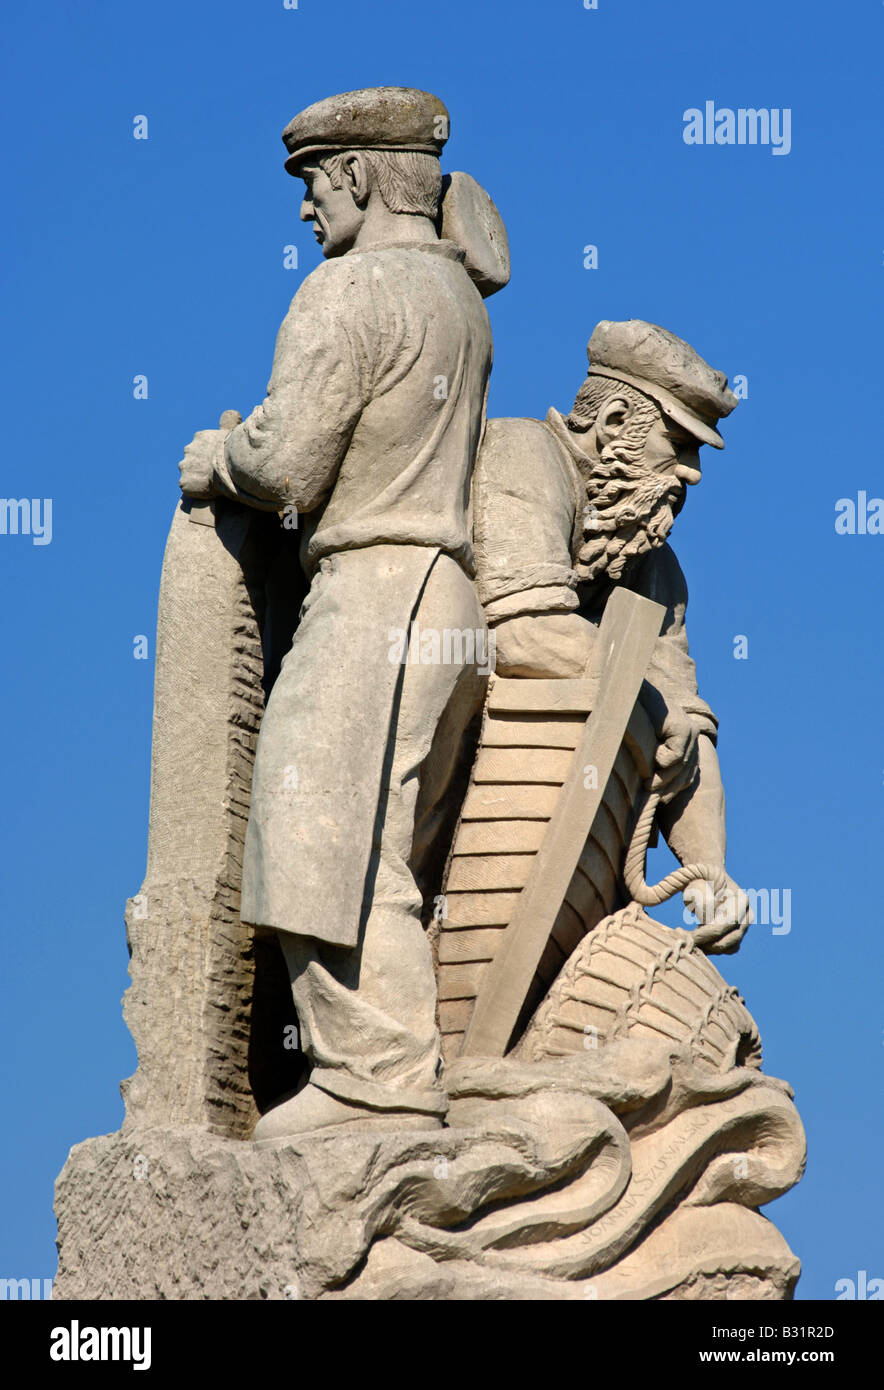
(629, 512)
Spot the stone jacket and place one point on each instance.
(528, 500)
(375, 405)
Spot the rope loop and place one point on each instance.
(651, 895)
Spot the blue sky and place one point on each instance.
(164, 257)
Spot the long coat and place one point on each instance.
(372, 421)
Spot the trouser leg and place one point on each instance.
(367, 1013)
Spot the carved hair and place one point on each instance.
(407, 180)
(629, 508)
(595, 391)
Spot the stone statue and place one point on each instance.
(404, 1027)
(565, 509)
(370, 428)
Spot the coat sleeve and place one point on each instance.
(289, 450)
(524, 510)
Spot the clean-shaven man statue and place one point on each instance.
(568, 507)
(370, 428)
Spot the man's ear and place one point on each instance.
(611, 419)
(357, 177)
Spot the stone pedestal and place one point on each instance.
(179, 1214)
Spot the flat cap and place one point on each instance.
(376, 118)
(665, 368)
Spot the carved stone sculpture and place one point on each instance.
(405, 1029)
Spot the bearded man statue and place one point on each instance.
(569, 507)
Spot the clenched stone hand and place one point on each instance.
(677, 760)
(724, 917)
(197, 468)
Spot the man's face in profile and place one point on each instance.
(334, 212)
(670, 449)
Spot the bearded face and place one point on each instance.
(629, 511)
(634, 489)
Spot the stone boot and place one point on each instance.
(311, 1110)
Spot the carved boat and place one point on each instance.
(530, 731)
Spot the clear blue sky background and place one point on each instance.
(165, 257)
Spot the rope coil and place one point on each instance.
(651, 895)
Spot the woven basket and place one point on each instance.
(631, 977)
